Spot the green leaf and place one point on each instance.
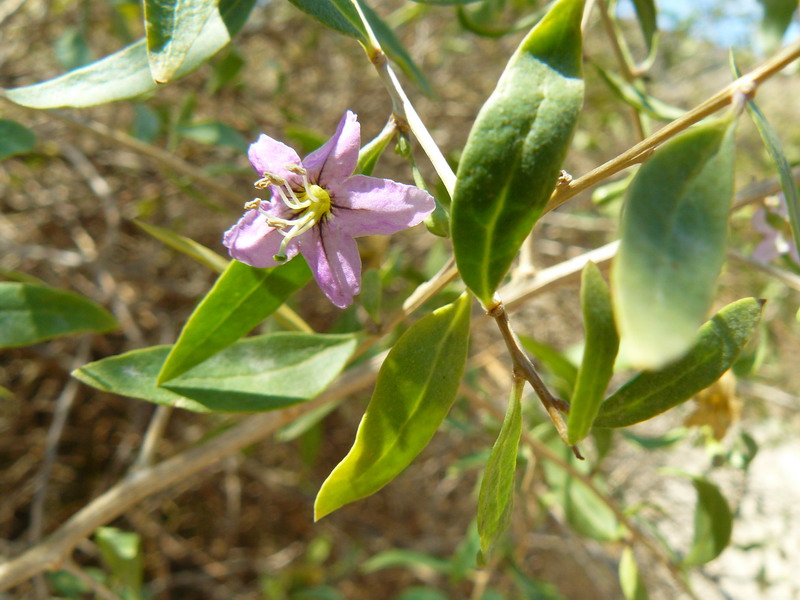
(713, 524)
(121, 552)
(770, 139)
(146, 123)
(599, 354)
(171, 27)
(630, 580)
(421, 593)
(638, 99)
(496, 497)
(514, 152)
(33, 313)
(126, 74)
(416, 387)
(563, 370)
(71, 49)
(341, 16)
(404, 559)
(215, 133)
(446, 2)
(674, 229)
(716, 347)
(646, 13)
(259, 373)
(15, 139)
(242, 297)
(186, 246)
(777, 17)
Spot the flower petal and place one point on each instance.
(254, 243)
(337, 158)
(373, 206)
(271, 156)
(333, 258)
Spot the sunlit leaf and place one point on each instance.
(716, 347)
(415, 389)
(126, 74)
(630, 580)
(186, 246)
(777, 17)
(241, 298)
(646, 13)
(514, 152)
(256, 374)
(121, 552)
(674, 230)
(215, 133)
(599, 354)
(171, 27)
(641, 101)
(34, 313)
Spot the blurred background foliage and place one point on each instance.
(70, 192)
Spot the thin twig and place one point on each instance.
(155, 431)
(98, 588)
(404, 112)
(640, 151)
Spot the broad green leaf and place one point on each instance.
(341, 16)
(121, 552)
(146, 123)
(646, 13)
(775, 150)
(242, 297)
(186, 246)
(777, 17)
(404, 559)
(638, 99)
(416, 387)
(33, 313)
(496, 497)
(256, 374)
(215, 133)
(630, 580)
(716, 347)
(15, 139)
(514, 152)
(599, 354)
(713, 524)
(126, 74)
(674, 229)
(171, 27)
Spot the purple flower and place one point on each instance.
(318, 206)
(774, 229)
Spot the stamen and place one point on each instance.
(253, 204)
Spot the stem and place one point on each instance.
(523, 367)
(404, 112)
(640, 151)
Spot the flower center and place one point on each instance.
(309, 206)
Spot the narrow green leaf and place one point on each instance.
(446, 2)
(171, 27)
(126, 74)
(121, 552)
(404, 559)
(674, 229)
(646, 13)
(775, 150)
(599, 354)
(496, 497)
(370, 153)
(33, 313)
(146, 123)
(186, 246)
(777, 17)
(256, 374)
(563, 370)
(630, 580)
(716, 347)
(15, 139)
(341, 16)
(242, 297)
(516, 147)
(641, 101)
(71, 49)
(415, 389)
(713, 524)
